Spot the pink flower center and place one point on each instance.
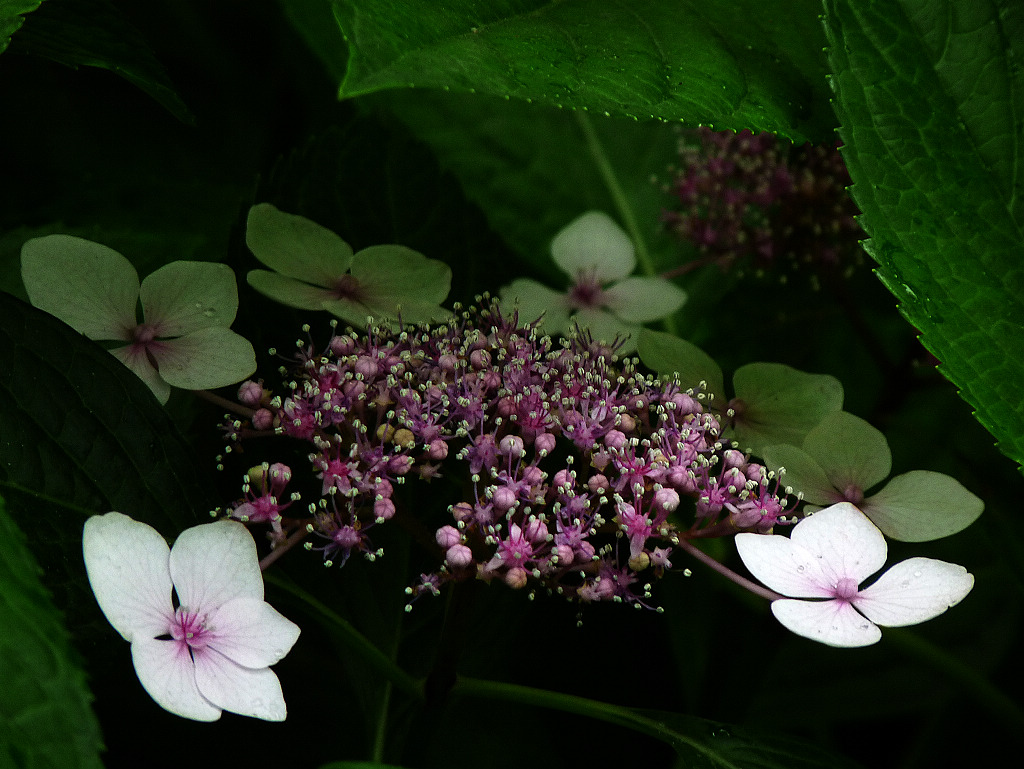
(143, 334)
(586, 292)
(190, 627)
(846, 589)
(347, 287)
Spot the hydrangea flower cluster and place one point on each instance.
(575, 465)
(746, 197)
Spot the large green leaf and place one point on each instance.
(45, 719)
(11, 13)
(929, 95)
(739, 64)
(94, 33)
(81, 434)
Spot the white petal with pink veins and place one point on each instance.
(913, 591)
(254, 692)
(127, 565)
(846, 544)
(166, 672)
(783, 565)
(251, 632)
(834, 623)
(214, 563)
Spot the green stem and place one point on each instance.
(353, 640)
(984, 692)
(570, 703)
(621, 202)
(380, 735)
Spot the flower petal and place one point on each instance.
(90, 287)
(844, 541)
(253, 692)
(783, 565)
(782, 404)
(167, 673)
(391, 275)
(207, 358)
(214, 563)
(606, 327)
(834, 623)
(668, 354)
(802, 473)
(289, 291)
(295, 246)
(594, 244)
(127, 564)
(182, 297)
(641, 300)
(251, 632)
(922, 505)
(913, 591)
(135, 358)
(533, 300)
(849, 450)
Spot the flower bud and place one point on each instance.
(250, 393)
(503, 499)
(512, 445)
(383, 509)
(459, 556)
(438, 450)
(343, 345)
(516, 577)
(263, 419)
(448, 537)
(544, 443)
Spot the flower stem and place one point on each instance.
(570, 703)
(291, 541)
(622, 206)
(984, 693)
(728, 573)
(236, 408)
(354, 641)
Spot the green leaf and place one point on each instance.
(668, 354)
(95, 33)
(744, 64)
(506, 154)
(83, 435)
(45, 718)
(921, 505)
(11, 12)
(928, 93)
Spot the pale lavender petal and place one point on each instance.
(214, 563)
(167, 673)
(253, 692)
(913, 591)
(135, 358)
(596, 246)
(844, 541)
(182, 297)
(834, 623)
(204, 359)
(127, 564)
(90, 287)
(251, 632)
(534, 300)
(289, 291)
(783, 565)
(295, 246)
(640, 300)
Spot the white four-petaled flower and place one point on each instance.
(599, 257)
(821, 565)
(183, 341)
(211, 653)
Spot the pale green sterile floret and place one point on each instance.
(311, 268)
(844, 457)
(183, 339)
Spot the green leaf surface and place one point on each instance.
(922, 505)
(850, 451)
(929, 97)
(45, 718)
(95, 33)
(11, 13)
(535, 169)
(744, 64)
(82, 435)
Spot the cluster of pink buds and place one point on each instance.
(752, 199)
(566, 468)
